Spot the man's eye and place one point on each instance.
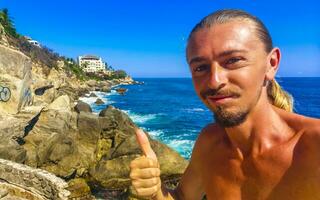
(201, 68)
(232, 60)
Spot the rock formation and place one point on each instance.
(97, 149)
(40, 126)
(15, 80)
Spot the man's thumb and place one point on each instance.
(145, 144)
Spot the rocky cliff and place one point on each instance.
(41, 127)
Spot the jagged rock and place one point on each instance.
(68, 90)
(82, 107)
(113, 168)
(105, 89)
(43, 93)
(12, 133)
(122, 120)
(93, 95)
(114, 172)
(89, 127)
(91, 83)
(3, 192)
(105, 84)
(79, 189)
(99, 101)
(15, 80)
(11, 150)
(121, 90)
(56, 118)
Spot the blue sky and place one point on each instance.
(148, 38)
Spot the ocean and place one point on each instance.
(169, 109)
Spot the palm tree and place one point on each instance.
(7, 23)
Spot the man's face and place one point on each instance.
(228, 65)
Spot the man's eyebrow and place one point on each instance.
(229, 52)
(222, 54)
(197, 59)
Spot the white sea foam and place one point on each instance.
(102, 95)
(184, 147)
(155, 133)
(139, 118)
(194, 109)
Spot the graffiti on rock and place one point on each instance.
(5, 94)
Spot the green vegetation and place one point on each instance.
(119, 74)
(71, 67)
(7, 23)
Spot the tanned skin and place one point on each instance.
(272, 154)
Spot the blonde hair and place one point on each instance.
(279, 97)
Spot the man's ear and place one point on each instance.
(273, 61)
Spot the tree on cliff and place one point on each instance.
(119, 74)
(7, 23)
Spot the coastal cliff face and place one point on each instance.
(15, 80)
(41, 127)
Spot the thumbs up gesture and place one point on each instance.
(145, 170)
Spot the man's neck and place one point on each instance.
(262, 130)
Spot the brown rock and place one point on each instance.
(99, 101)
(82, 107)
(121, 90)
(93, 95)
(79, 189)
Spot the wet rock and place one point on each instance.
(99, 101)
(93, 95)
(121, 90)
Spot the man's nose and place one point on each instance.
(217, 77)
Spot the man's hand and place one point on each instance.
(145, 170)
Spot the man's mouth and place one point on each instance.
(220, 99)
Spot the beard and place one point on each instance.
(227, 118)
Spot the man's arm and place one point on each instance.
(145, 175)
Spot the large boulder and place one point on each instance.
(92, 83)
(89, 127)
(106, 89)
(82, 107)
(113, 171)
(15, 80)
(56, 118)
(11, 150)
(12, 132)
(118, 134)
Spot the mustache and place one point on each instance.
(213, 92)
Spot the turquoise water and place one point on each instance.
(170, 111)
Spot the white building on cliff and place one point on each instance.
(91, 63)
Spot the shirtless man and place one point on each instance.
(258, 148)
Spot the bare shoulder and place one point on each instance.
(211, 132)
(311, 130)
(299, 123)
(209, 136)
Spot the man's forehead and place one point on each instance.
(235, 35)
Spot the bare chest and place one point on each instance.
(279, 175)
